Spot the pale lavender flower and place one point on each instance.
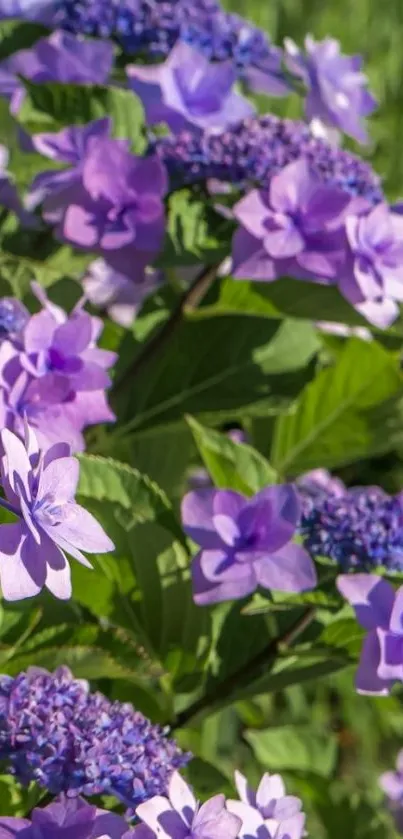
(13, 317)
(180, 817)
(320, 482)
(61, 58)
(56, 732)
(254, 826)
(245, 543)
(379, 610)
(270, 800)
(120, 295)
(188, 90)
(293, 228)
(66, 818)
(337, 87)
(372, 279)
(39, 490)
(115, 206)
(62, 348)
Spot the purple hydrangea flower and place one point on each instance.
(54, 376)
(180, 817)
(66, 818)
(379, 610)
(319, 483)
(360, 528)
(121, 296)
(245, 543)
(62, 350)
(270, 800)
(68, 146)
(294, 228)
(254, 826)
(61, 57)
(392, 785)
(55, 731)
(372, 280)
(188, 90)
(39, 490)
(114, 207)
(337, 92)
(258, 148)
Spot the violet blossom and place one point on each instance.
(337, 87)
(372, 279)
(61, 58)
(120, 295)
(116, 206)
(293, 228)
(180, 817)
(66, 818)
(53, 374)
(254, 826)
(270, 800)
(188, 90)
(13, 317)
(39, 490)
(379, 610)
(54, 731)
(245, 543)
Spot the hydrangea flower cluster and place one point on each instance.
(55, 731)
(52, 373)
(360, 528)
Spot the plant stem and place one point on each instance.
(189, 300)
(248, 672)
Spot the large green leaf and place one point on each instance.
(49, 107)
(290, 747)
(231, 465)
(220, 367)
(331, 422)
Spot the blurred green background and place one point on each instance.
(368, 27)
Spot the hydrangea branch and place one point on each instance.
(248, 672)
(189, 300)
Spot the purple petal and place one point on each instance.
(39, 331)
(292, 187)
(292, 828)
(59, 480)
(74, 336)
(396, 618)
(228, 503)
(182, 798)
(290, 569)
(206, 592)
(18, 463)
(271, 516)
(250, 260)
(371, 597)
(283, 240)
(270, 788)
(163, 821)
(367, 680)
(245, 792)
(79, 529)
(391, 656)
(392, 785)
(252, 211)
(215, 822)
(20, 575)
(197, 518)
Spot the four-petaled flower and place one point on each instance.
(66, 818)
(245, 543)
(39, 489)
(270, 800)
(379, 609)
(188, 90)
(180, 816)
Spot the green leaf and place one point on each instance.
(196, 233)
(331, 421)
(344, 634)
(16, 35)
(139, 498)
(218, 368)
(291, 747)
(49, 107)
(231, 465)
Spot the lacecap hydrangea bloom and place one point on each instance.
(254, 150)
(39, 490)
(245, 543)
(379, 610)
(54, 731)
(66, 818)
